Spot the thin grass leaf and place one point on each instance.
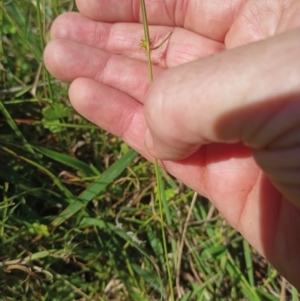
(249, 263)
(213, 252)
(149, 278)
(295, 295)
(198, 289)
(15, 128)
(42, 43)
(34, 256)
(161, 197)
(17, 19)
(56, 181)
(265, 296)
(4, 204)
(54, 5)
(1, 33)
(96, 188)
(68, 161)
(166, 208)
(156, 244)
(246, 287)
(40, 24)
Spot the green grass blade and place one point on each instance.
(246, 287)
(155, 244)
(68, 161)
(42, 43)
(149, 278)
(97, 187)
(249, 265)
(40, 24)
(161, 197)
(166, 208)
(166, 211)
(55, 6)
(198, 289)
(17, 19)
(265, 296)
(295, 295)
(3, 208)
(43, 169)
(15, 128)
(1, 27)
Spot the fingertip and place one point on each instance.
(57, 59)
(60, 27)
(49, 57)
(81, 93)
(56, 27)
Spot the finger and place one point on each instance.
(68, 60)
(243, 95)
(123, 116)
(197, 101)
(111, 109)
(124, 38)
(208, 18)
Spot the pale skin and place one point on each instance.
(225, 119)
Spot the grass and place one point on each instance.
(79, 207)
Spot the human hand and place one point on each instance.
(227, 124)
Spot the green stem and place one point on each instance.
(164, 238)
(157, 171)
(15, 128)
(147, 39)
(42, 43)
(5, 205)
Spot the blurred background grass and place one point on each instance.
(81, 206)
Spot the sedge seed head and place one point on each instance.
(144, 45)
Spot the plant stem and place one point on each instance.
(42, 43)
(147, 39)
(157, 171)
(15, 128)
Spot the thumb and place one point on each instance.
(246, 94)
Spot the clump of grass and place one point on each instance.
(78, 205)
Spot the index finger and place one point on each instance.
(208, 18)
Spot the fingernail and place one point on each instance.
(148, 140)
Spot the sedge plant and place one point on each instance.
(146, 44)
